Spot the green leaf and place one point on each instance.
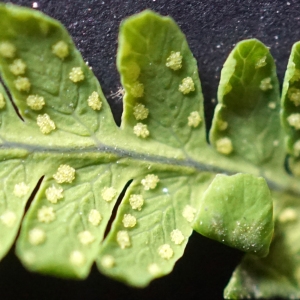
(246, 121)
(83, 159)
(290, 114)
(66, 148)
(63, 238)
(161, 231)
(146, 44)
(237, 211)
(276, 275)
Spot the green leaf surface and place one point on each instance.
(69, 224)
(146, 41)
(65, 146)
(237, 211)
(246, 121)
(83, 161)
(34, 35)
(162, 228)
(290, 114)
(276, 275)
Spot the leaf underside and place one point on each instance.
(57, 129)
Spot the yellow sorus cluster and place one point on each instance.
(21, 189)
(129, 220)
(123, 239)
(108, 193)
(294, 96)
(294, 120)
(261, 62)
(45, 123)
(154, 269)
(189, 213)
(76, 74)
(2, 101)
(132, 71)
(165, 251)
(22, 84)
(94, 217)
(222, 125)
(53, 194)
(194, 119)
(8, 218)
(272, 105)
(224, 146)
(137, 89)
(77, 258)
(265, 84)
(141, 130)
(107, 261)
(150, 182)
(60, 49)
(174, 61)
(18, 67)
(35, 102)
(94, 101)
(140, 112)
(85, 237)
(187, 85)
(177, 237)
(7, 50)
(36, 236)
(136, 201)
(46, 214)
(64, 173)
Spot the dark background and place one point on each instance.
(212, 28)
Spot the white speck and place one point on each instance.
(35, 5)
(288, 3)
(165, 190)
(276, 37)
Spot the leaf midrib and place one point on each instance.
(287, 183)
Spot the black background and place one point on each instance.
(212, 28)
